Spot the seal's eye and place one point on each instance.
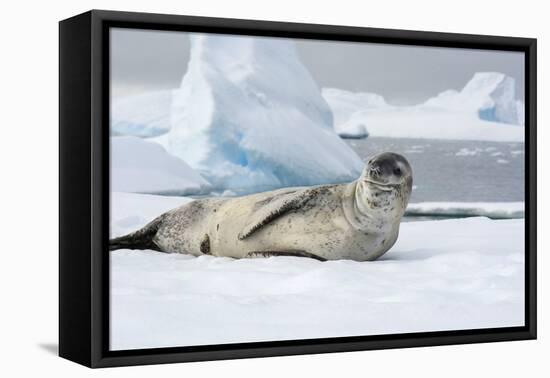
(397, 171)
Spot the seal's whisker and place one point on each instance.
(374, 171)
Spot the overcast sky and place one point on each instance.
(151, 60)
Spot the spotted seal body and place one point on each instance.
(358, 221)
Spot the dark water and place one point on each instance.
(456, 171)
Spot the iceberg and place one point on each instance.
(520, 109)
(249, 116)
(426, 123)
(345, 105)
(144, 115)
(353, 129)
(140, 166)
(492, 95)
(485, 109)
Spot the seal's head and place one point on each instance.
(385, 184)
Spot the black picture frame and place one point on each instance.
(84, 188)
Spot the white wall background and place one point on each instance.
(29, 189)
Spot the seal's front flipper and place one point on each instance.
(276, 207)
(285, 253)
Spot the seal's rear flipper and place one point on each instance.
(130, 241)
(140, 239)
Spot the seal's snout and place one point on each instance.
(387, 168)
(384, 165)
(373, 170)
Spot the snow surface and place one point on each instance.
(145, 167)
(495, 210)
(249, 115)
(485, 109)
(143, 115)
(441, 275)
(130, 211)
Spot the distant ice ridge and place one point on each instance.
(345, 105)
(139, 166)
(485, 109)
(520, 109)
(249, 115)
(142, 115)
(494, 210)
(492, 95)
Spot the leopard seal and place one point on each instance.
(357, 221)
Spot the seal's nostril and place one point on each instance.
(374, 170)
